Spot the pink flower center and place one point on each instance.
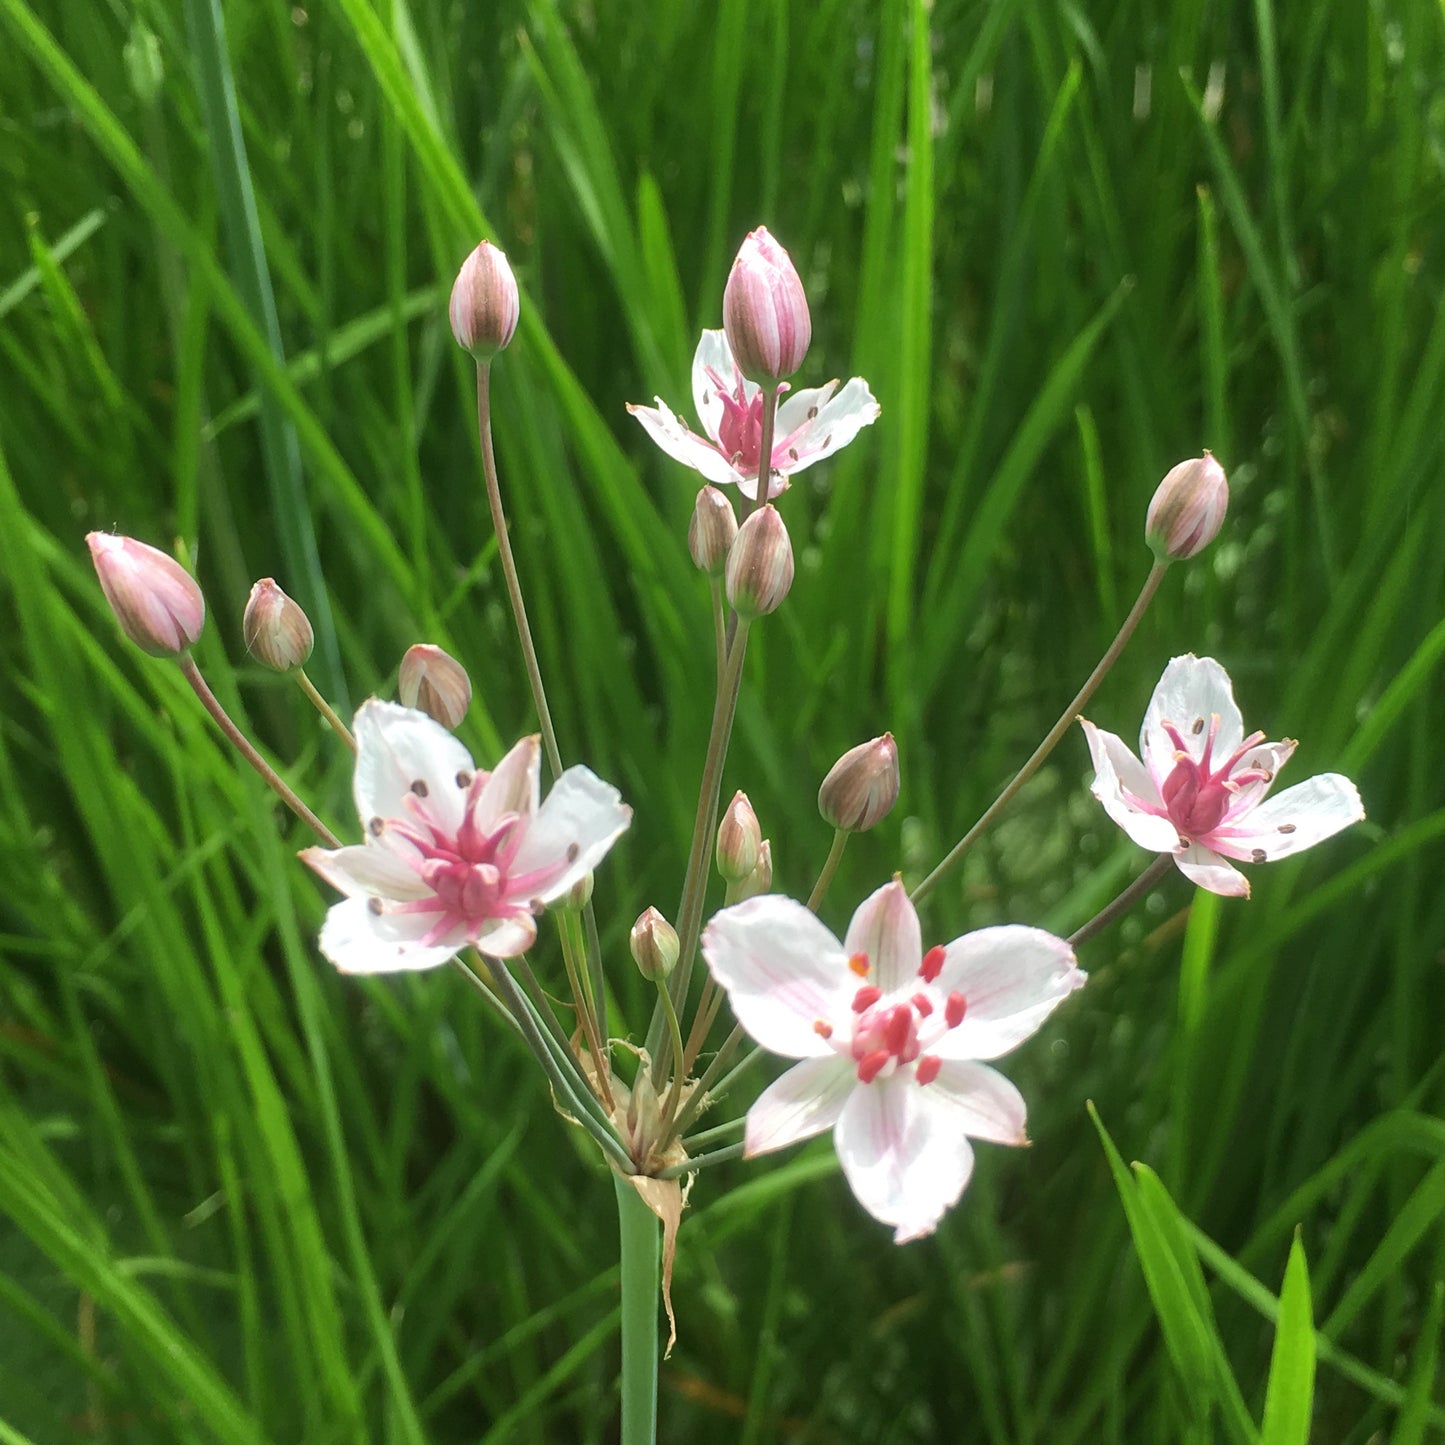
(1198, 796)
(740, 433)
(891, 1032)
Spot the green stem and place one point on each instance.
(1065, 722)
(641, 1282)
(765, 452)
(1125, 901)
(719, 628)
(703, 1091)
(324, 708)
(704, 1161)
(707, 1136)
(830, 867)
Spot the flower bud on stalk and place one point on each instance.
(277, 632)
(739, 840)
(760, 565)
(862, 786)
(1187, 510)
(711, 531)
(654, 945)
(760, 880)
(485, 305)
(765, 312)
(436, 683)
(156, 601)
(579, 895)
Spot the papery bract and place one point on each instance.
(811, 424)
(891, 1040)
(454, 855)
(1200, 792)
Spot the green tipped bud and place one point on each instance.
(711, 531)
(654, 945)
(436, 683)
(760, 565)
(277, 632)
(739, 840)
(1187, 509)
(862, 786)
(760, 880)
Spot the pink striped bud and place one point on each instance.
(485, 304)
(1187, 510)
(739, 840)
(435, 683)
(711, 531)
(765, 312)
(155, 600)
(277, 632)
(760, 565)
(862, 786)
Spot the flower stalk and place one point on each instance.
(830, 867)
(324, 708)
(1124, 902)
(638, 1230)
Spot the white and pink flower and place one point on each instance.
(810, 425)
(454, 855)
(1200, 792)
(891, 1040)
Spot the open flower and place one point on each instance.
(454, 855)
(1200, 791)
(810, 424)
(890, 1038)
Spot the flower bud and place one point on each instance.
(277, 632)
(155, 600)
(765, 313)
(760, 880)
(1187, 510)
(435, 682)
(862, 786)
(654, 945)
(739, 840)
(579, 895)
(760, 565)
(711, 531)
(485, 305)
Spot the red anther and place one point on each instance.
(928, 1067)
(822, 1029)
(859, 964)
(897, 1030)
(866, 997)
(932, 963)
(954, 1010)
(923, 1004)
(870, 1064)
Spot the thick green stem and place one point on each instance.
(1065, 722)
(1125, 901)
(641, 1280)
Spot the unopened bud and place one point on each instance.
(155, 600)
(765, 312)
(760, 880)
(1187, 510)
(579, 895)
(760, 565)
(654, 945)
(711, 531)
(435, 682)
(277, 632)
(862, 786)
(739, 840)
(485, 304)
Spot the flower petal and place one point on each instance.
(805, 1101)
(1127, 792)
(407, 766)
(1191, 692)
(783, 971)
(796, 414)
(1011, 978)
(985, 1105)
(1206, 868)
(905, 1159)
(357, 940)
(570, 835)
(838, 421)
(366, 869)
(714, 358)
(509, 937)
(885, 927)
(668, 431)
(513, 787)
(1294, 820)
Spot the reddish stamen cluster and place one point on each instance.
(1198, 796)
(890, 1034)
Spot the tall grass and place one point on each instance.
(246, 1200)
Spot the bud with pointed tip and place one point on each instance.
(1187, 510)
(654, 945)
(862, 786)
(765, 312)
(760, 880)
(277, 632)
(435, 682)
(156, 601)
(760, 565)
(711, 531)
(739, 840)
(485, 305)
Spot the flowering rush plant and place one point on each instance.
(893, 1034)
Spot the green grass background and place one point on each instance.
(243, 1199)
